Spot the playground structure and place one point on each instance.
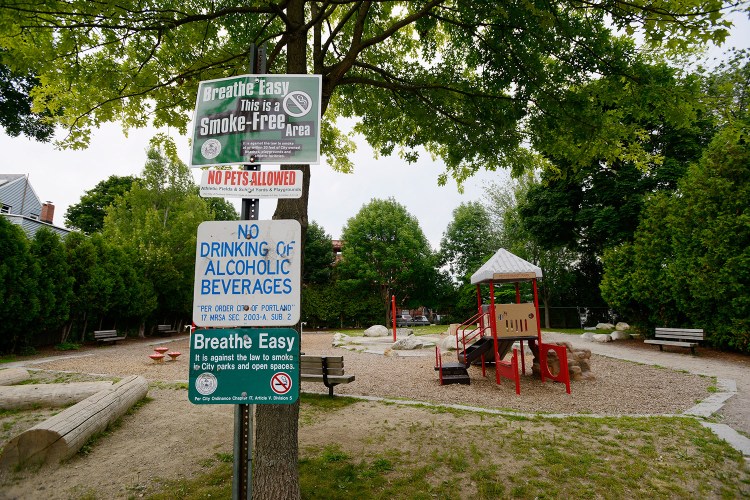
(489, 335)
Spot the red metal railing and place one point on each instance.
(439, 362)
(475, 334)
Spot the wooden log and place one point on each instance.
(11, 376)
(48, 395)
(64, 434)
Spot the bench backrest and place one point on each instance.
(102, 334)
(313, 365)
(679, 333)
(164, 327)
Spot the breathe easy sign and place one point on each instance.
(257, 119)
(247, 273)
(250, 366)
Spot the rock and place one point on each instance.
(619, 335)
(448, 343)
(376, 331)
(621, 326)
(408, 343)
(602, 338)
(605, 326)
(403, 332)
(588, 336)
(340, 339)
(589, 328)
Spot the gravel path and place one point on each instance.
(621, 387)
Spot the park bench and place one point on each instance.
(326, 369)
(107, 336)
(165, 330)
(678, 337)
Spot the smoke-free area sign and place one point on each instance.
(248, 273)
(244, 366)
(257, 119)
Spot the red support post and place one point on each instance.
(393, 315)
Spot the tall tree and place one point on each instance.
(457, 77)
(386, 251)
(54, 286)
(19, 305)
(469, 240)
(157, 220)
(88, 214)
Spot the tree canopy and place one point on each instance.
(456, 77)
(88, 214)
(385, 250)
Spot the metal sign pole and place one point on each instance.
(242, 478)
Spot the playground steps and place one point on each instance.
(454, 373)
(475, 351)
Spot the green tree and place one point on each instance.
(386, 251)
(317, 267)
(19, 304)
(54, 286)
(468, 241)
(83, 262)
(454, 77)
(558, 263)
(157, 220)
(16, 116)
(221, 209)
(88, 214)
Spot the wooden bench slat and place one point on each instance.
(671, 342)
(677, 337)
(312, 370)
(337, 379)
(319, 359)
(319, 371)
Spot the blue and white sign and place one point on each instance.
(248, 273)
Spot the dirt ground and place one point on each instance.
(169, 438)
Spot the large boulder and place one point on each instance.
(587, 336)
(619, 335)
(340, 339)
(448, 343)
(621, 326)
(602, 338)
(605, 326)
(408, 343)
(376, 331)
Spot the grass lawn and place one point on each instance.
(425, 453)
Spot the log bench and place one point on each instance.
(165, 330)
(326, 369)
(678, 337)
(107, 336)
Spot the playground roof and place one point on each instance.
(504, 266)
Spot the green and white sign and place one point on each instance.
(244, 366)
(272, 119)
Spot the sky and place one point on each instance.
(63, 176)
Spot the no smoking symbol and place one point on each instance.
(281, 383)
(297, 103)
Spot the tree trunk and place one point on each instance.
(48, 395)
(142, 330)
(12, 376)
(64, 434)
(275, 470)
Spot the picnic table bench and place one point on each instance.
(326, 369)
(678, 337)
(165, 330)
(107, 336)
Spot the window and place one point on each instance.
(5, 209)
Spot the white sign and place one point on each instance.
(248, 273)
(251, 184)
